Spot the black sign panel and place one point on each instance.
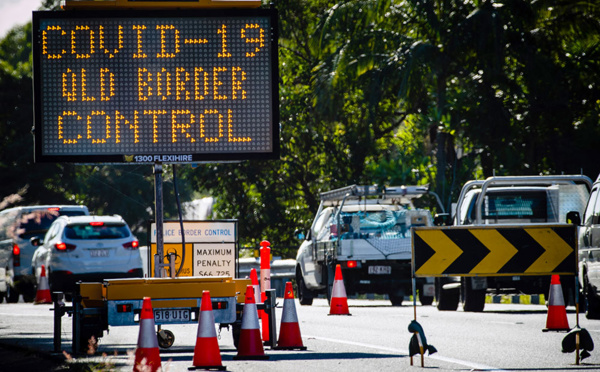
(168, 86)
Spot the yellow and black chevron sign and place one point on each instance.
(494, 251)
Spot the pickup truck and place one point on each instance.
(367, 231)
(512, 200)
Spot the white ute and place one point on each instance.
(367, 231)
(511, 200)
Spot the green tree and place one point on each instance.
(485, 83)
(20, 174)
(105, 189)
(273, 198)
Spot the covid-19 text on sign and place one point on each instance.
(174, 86)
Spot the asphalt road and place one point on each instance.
(504, 337)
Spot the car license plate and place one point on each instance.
(99, 253)
(380, 270)
(171, 315)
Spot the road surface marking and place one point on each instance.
(465, 363)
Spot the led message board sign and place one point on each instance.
(149, 86)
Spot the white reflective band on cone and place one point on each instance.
(339, 290)
(147, 336)
(207, 319)
(257, 293)
(289, 312)
(250, 317)
(556, 296)
(43, 284)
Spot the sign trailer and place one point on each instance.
(184, 82)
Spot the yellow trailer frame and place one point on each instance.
(94, 305)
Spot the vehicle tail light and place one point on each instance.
(134, 244)
(124, 308)
(351, 264)
(97, 223)
(54, 209)
(219, 305)
(16, 255)
(60, 246)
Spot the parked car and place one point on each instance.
(18, 226)
(89, 249)
(589, 254)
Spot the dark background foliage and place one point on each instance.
(386, 92)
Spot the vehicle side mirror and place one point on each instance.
(574, 218)
(441, 219)
(299, 234)
(36, 242)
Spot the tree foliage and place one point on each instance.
(391, 92)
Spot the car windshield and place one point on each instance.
(371, 221)
(89, 232)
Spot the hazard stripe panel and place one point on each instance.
(494, 250)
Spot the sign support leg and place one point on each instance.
(158, 212)
(414, 293)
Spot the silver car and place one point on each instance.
(18, 226)
(89, 249)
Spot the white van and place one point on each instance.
(17, 227)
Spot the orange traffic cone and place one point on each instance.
(557, 312)
(42, 296)
(206, 353)
(289, 334)
(339, 301)
(250, 345)
(147, 355)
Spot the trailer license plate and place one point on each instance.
(171, 315)
(379, 270)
